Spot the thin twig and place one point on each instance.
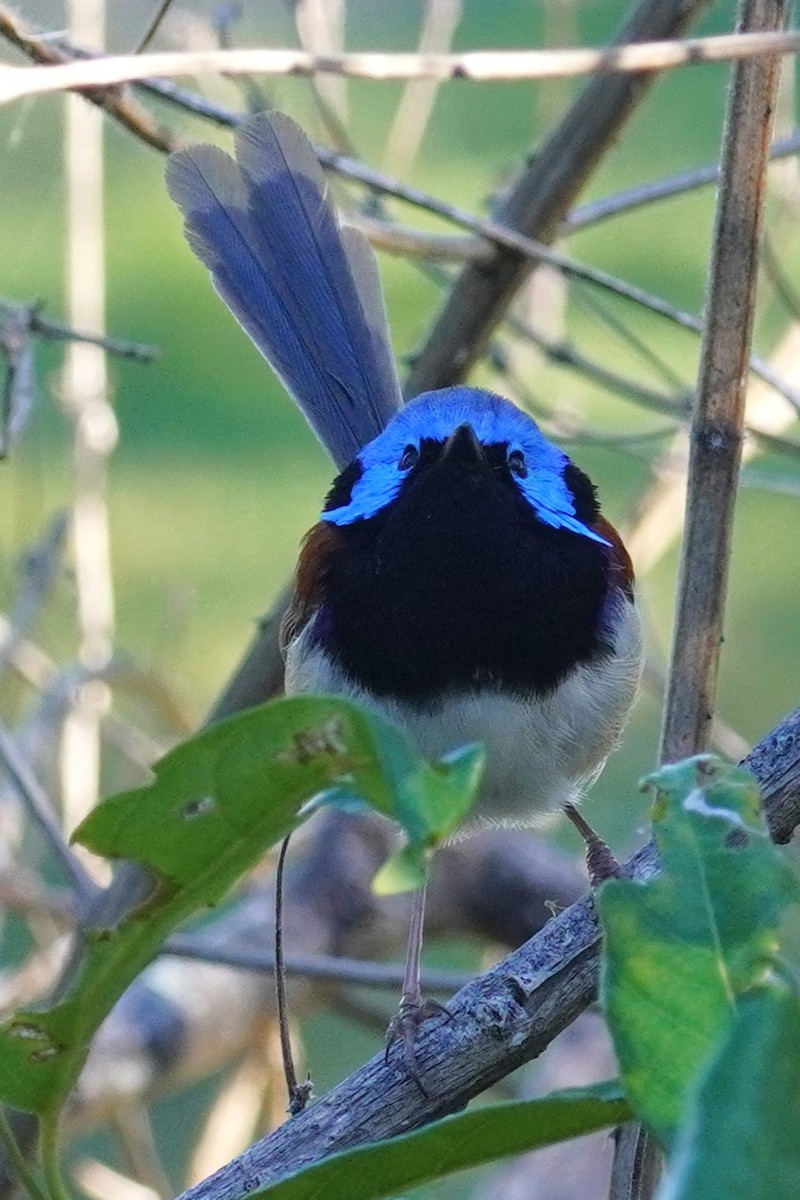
(505, 238)
(480, 66)
(120, 347)
(330, 967)
(661, 189)
(153, 27)
(38, 804)
(299, 1094)
(116, 101)
(438, 27)
(660, 515)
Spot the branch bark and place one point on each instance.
(718, 421)
(479, 66)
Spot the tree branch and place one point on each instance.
(38, 804)
(718, 421)
(480, 66)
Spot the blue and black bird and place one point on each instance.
(461, 578)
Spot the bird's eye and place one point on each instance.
(516, 464)
(409, 458)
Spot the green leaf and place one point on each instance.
(405, 871)
(217, 802)
(467, 1140)
(680, 949)
(742, 1136)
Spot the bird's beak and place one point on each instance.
(464, 445)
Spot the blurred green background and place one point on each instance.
(216, 476)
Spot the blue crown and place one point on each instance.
(435, 416)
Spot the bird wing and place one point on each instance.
(305, 291)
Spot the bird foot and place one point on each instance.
(403, 1028)
(600, 861)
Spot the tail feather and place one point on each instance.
(305, 291)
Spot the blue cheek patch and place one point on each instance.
(552, 502)
(377, 487)
(436, 415)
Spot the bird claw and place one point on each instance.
(403, 1028)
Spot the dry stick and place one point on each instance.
(718, 421)
(153, 26)
(41, 810)
(116, 101)
(478, 65)
(660, 189)
(299, 1094)
(504, 1019)
(440, 21)
(715, 452)
(333, 968)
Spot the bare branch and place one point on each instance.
(718, 422)
(440, 22)
(330, 967)
(117, 102)
(480, 66)
(40, 808)
(717, 435)
(153, 25)
(660, 189)
(504, 237)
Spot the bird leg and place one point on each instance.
(600, 862)
(413, 1009)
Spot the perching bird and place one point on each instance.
(461, 579)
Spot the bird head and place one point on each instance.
(464, 442)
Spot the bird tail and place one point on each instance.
(306, 291)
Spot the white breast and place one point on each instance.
(540, 752)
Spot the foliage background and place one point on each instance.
(216, 477)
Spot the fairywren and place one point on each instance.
(461, 578)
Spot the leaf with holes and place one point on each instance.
(216, 804)
(682, 948)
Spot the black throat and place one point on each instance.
(456, 585)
